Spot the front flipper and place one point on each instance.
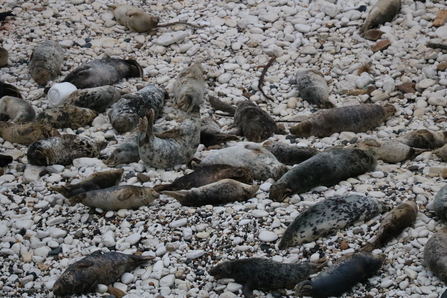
(247, 290)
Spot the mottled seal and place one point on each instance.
(131, 107)
(211, 134)
(46, 62)
(101, 72)
(313, 87)
(383, 11)
(8, 89)
(341, 276)
(399, 218)
(357, 118)
(263, 274)
(326, 168)
(17, 109)
(27, 132)
(389, 151)
(67, 116)
(260, 161)
(116, 197)
(327, 217)
(172, 147)
(189, 87)
(206, 175)
(424, 139)
(289, 154)
(84, 275)
(440, 204)
(97, 99)
(127, 152)
(217, 193)
(98, 180)
(435, 254)
(63, 149)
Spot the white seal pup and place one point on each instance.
(17, 109)
(189, 88)
(46, 62)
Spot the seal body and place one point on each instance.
(97, 99)
(189, 88)
(127, 152)
(399, 218)
(84, 275)
(389, 151)
(217, 193)
(341, 276)
(17, 109)
(46, 62)
(116, 197)
(263, 274)
(313, 87)
(67, 116)
(26, 133)
(8, 89)
(134, 18)
(435, 254)
(62, 150)
(329, 216)
(289, 154)
(4, 55)
(131, 107)
(326, 168)
(440, 204)
(260, 161)
(97, 180)
(206, 175)
(424, 138)
(358, 118)
(101, 72)
(211, 134)
(383, 11)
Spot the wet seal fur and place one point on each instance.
(63, 149)
(383, 11)
(263, 274)
(313, 88)
(126, 152)
(435, 254)
(394, 222)
(217, 193)
(97, 180)
(329, 216)
(116, 197)
(131, 107)
(97, 99)
(424, 139)
(17, 109)
(26, 133)
(440, 204)
(84, 275)
(46, 62)
(189, 88)
(101, 72)
(289, 154)
(343, 275)
(67, 116)
(206, 175)
(357, 118)
(326, 168)
(389, 151)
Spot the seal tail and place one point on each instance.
(135, 69)
(178, 195)
(162, 187)
(304, 288)
(77, 198)
(62, 189)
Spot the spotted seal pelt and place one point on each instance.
(97, 99)
(383, 11)
(17, 109)
(435, 254)
(46, 62)
(289, 154)
(26, 133)
(313, 87)
(189, 87)
(126, 152)
(424, 139)
(67, 116)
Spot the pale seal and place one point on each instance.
(383, 11)
(389, 151)
(46, 62)
(17, 109)
(424, 139)
(189, 87)
(313, 87)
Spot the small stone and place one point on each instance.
(108, 239)
(424, 84)
(442, 66)
(344, 245)
(171, 37)
(143, 178)
(127, 278)
(381, 45)
(178, 223)
(134, 238)
(167, 281)
(194, 254)
(32, 173)
(267, 236)
(407, 87)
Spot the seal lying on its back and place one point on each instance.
(263, 274)
(289, 154)
(189, 88)
(97, 99)
(435, 254)
(17, 109)
(27, 132)
(313, 88)
(425, 139)
(84, 275)
(101, 72)
(329, 216)
(383, 11)
(46, 62)
(67, 116)
(341, 276)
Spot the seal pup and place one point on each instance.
(97, 99)
(4, 55)
(26, 133)
(45, 63)
(172, 147)
(342, 276)
(260, 161)
(289, 154)
(97, 180)
(435, 254)
(17, 109)
(326, 168)
(131, 107)
(357, 118)
(67, 116)
(383, 11)
(216, 193)
(313, 87)
(189, 87)
(116, 197)
(440, 204)
(264, 274)
(394, 222)
(8, 89)
(206, 175)
(84, 275)
(329, 216)
(389, 151)
(424, 139)
(63, 149)
(127, 152)
(101, 72)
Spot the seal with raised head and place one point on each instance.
(289, 154)
(83, 276)
(45, 63)
(435, 254)
(216, 193)
(98, 180)
(97, 99)
(342, 276)
(17, 109)
(126, 152)
(327, 217)
(389, 151)
(189, 88)
(440, 204)
(264, 274)
(313, 87)
(383, 11)
(325, 168)
(27, 132)
(105, 71)
(67, 116)
(399, 218)
(424, 139)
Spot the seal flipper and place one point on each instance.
(304, 288)
(178, 195)
(145, 128)
(77, 198)
(247, 290)
(62, 189)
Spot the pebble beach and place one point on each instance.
(41, 234)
